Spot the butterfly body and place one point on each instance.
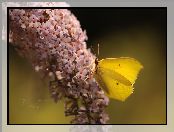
(116, 76)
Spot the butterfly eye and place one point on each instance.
(117, 83)
(96, 62)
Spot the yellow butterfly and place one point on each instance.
(116, 76)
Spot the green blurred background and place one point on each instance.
(121, 32)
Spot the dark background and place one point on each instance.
(100, 21)
(121, 32)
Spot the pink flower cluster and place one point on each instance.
(53, 41)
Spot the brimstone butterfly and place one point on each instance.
(116, 76)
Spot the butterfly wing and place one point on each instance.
(125, 66)
(114, 85)
(116, 76)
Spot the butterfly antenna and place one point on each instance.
(98, 49)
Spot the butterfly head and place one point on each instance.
(96, 62)
(96, 65)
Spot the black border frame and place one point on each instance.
(8, 123)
